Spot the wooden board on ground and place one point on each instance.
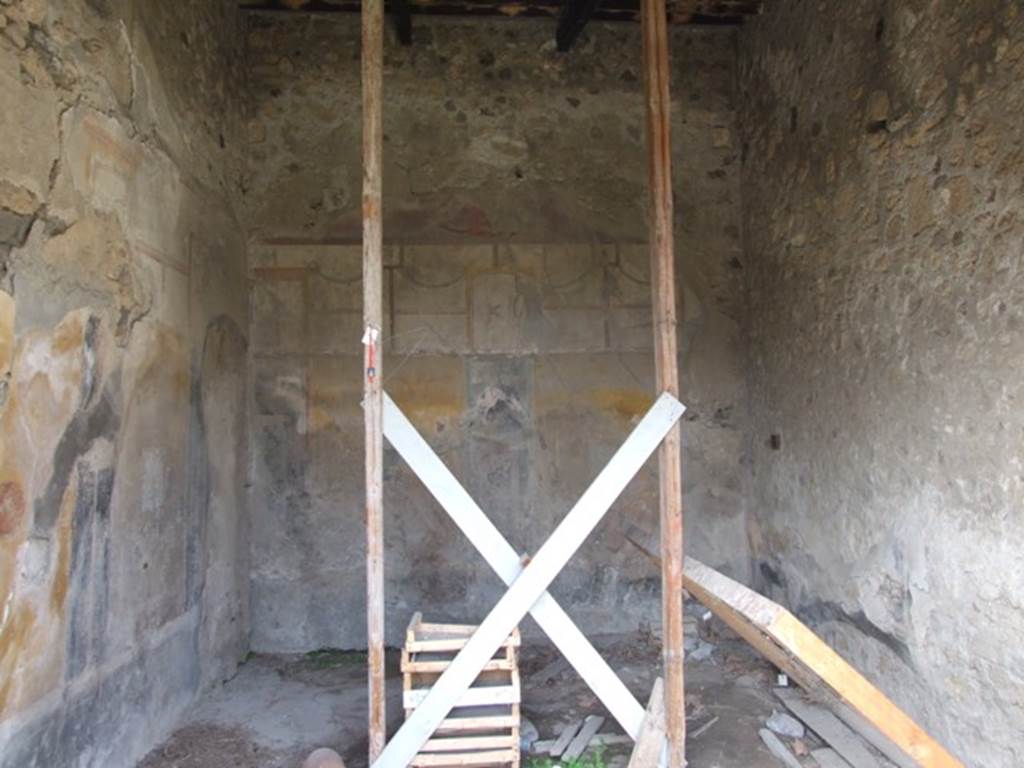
(564, 738)
(871, 734)
(777, 748)
(786, 642)
(543, 747)
(830, 728)
(829, 758)
(591, 726)
(651, 742)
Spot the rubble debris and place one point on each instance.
(702, 652)
(323, 758)
(785, 725)
(528, 734)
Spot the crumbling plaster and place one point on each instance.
(883, 184)
(123, 349)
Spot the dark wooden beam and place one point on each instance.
(402, 15)
(606, 10)
(574, 17)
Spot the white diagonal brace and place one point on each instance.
(531, 583)
(499, 554)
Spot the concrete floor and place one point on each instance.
(278, 708)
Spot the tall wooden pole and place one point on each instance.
(660, 240)
(373, 365)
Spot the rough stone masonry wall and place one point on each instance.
(518, 333)
(123, 327)
(883, 199)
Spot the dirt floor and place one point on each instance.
(279, 708)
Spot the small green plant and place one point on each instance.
(329, 658)
(592, 758)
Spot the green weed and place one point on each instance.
(329, 658)
(592, 758)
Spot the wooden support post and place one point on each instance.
(373, 369)
(659, 173)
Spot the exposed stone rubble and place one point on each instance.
(883, 186)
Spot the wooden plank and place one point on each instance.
(373, 367)
(428, 627)
(447, 644)
(829, 758)
(651, 747)
(475, 724)
(871, 734)
(666, 363)
(533, 582)
(544, 746)
(474, 697)
(464, 743)
(610, 739)
(777, 748)
(516, 730)
(470, 758)
(830, 728)
(486, 538)
(568, 734)
(648, 748)
(591, 725)
(811, 662)
(785, 641)
(436, 667)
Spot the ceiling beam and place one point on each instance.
(573, 18)
(402, 16)
(606, 10)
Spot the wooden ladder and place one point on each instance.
(483, 727)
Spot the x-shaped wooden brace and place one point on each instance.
(527, 591)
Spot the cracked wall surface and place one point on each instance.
(883, 186)
(123, 349)
(518, 324)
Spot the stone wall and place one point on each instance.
(883, 188)
(518, 333)
(123, 346)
